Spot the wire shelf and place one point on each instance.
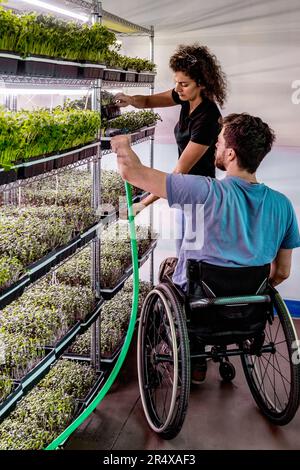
(139, 141)
(21, 183)
(21, 79)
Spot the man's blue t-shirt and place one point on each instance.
(230, 222)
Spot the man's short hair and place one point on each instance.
(249, 137)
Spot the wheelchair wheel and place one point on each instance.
(274, 377)
(163, 361)
(227, 371)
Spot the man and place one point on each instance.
(245, 222)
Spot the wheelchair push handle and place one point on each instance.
(229, 301)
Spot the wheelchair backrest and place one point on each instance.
(231, 323)
(208, 280)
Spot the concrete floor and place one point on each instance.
(220, 416)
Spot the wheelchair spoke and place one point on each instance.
(283, 383)
(283, 357)
(277, 370)
(262, 377)
(272, 384)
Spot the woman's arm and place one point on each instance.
(189, 157)
(158, 100)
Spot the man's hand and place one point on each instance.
(120, 143)
(132, 170)
(122, 100)
(128, 162)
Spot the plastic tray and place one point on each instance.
(109, 293)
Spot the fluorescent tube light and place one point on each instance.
(56, 9)
(43, 91)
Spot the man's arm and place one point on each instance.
(281, 267)
(189, 157)
(132, 170)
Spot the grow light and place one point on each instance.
(55, 9)
(43, 91)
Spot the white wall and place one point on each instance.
(257, 43)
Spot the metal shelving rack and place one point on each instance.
(123, 28)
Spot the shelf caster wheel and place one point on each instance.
(227, 371)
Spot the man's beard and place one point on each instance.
(219, 161)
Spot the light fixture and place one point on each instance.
(56, 9)
(43, 91)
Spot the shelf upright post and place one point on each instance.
(12, 196)
(96, 202)
(151, 156)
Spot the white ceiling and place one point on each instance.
(176, 17)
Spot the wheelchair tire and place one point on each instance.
(227, 371)
(274, 377)
(163, 361)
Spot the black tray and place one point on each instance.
(110, 358)
(109, 293)
(66, 160)
(29, 169)
(10, 402)
(45, 163)
(138, 135)
(13, 292)
(36, 68)
(83, 403)
(39, 268)
(112, 75)
(110, 111)
(90, 72)
(8, 176)
(88, 235)
(8, 66)
(149, 132)
(144, 77)
(128, 76)
(67, 250)
(66, 71)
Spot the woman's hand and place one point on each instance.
(122, 100)
(136, 208)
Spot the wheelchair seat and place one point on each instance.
(216, 314)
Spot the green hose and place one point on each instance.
(85, 414)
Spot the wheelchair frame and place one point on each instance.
(164, 359)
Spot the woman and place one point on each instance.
(200, 84)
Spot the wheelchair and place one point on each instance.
(235, 312)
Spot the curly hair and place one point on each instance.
(249, 137)
(202, 66)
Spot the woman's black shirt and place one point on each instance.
(201, 127)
